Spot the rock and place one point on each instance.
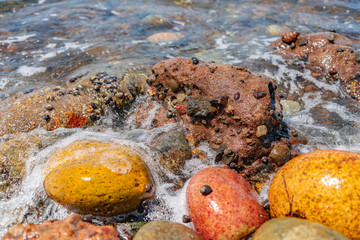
(295, 229)
(14, 150)
(276, 30)
(320, 186)
(165, 230)
(289, 106)
(226, 105)
(78, 104)
(223, 205)
(69, 228)
(164, 37)
(327, 54)
(106, 179)
(174, 147)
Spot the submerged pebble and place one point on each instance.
(295, 229)
(165, 230)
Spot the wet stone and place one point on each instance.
(72, 227)
(329, 56)
(107, 179)
(222, 107)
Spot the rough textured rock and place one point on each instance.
(295, 229)
(70, 228)
(106, 179)
(327, 54)
(175, 149)
(78, 104)
(320, 186)
(237, 111)
(164, 230)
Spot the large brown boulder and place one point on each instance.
(237, 111)
(328, 55)
(78, 104)
(70, 228)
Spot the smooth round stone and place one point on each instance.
(290, 106)
(321, 186)
(295, 229)
(222, 204)
(165, 230)
(98, 178)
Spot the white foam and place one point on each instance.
(3, 82)
(17, 38)
(27, 71)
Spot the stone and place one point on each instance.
(106, 179)
(79, 104)
(275, 30)
(223, 205)
(165, 230)
(320, 186)
(175, 148)
(213, 113)
(326, 54)
(295, 229)
(289, 106)
(70, 228)
(164, 37)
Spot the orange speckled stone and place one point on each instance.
(321, 186)
(230, 211)
(98, 178)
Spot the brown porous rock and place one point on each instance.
(327, 54)
(70, 228)
(236, 111)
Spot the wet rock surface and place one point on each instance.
(106, 179)
(165, 230)
(79, 104)
(305, 188)
(67, 229)
(328, 55)
(237, 111)
(223, 205)
(295, 229)
(175, 149)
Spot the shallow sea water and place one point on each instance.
(46, 42)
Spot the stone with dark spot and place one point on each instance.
(224, 107)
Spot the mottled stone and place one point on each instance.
(326, 54)
(222, 104)
(320, 186)
(78, 104)
(71, 228)
(175, 149)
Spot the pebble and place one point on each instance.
(165, 230)
(290, 106)
(106, 179)
(164, 37)
(320, 187)
(295, 229)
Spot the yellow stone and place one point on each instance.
(321, 186)
(98, 178)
